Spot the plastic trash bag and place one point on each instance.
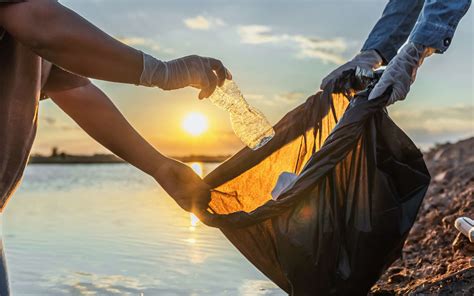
(345, 218)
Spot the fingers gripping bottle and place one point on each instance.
(249, 124)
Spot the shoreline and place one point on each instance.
(112, 159)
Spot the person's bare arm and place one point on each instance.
(93, 111)
(66, 39)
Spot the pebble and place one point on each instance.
(396, 278)
(434, 249)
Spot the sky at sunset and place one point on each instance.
(277, 51)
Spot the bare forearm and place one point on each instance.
(66, 39)
(89, 107)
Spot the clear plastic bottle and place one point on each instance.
(249, 124)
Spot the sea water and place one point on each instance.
(111, 230)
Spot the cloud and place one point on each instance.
(203, 23)
(326, 50)
(438, 120)
(141, 42)
(254, 96)
(290, 97)
(48, 120)
(283, 99)
(52, 123)
(430, 125)
(256, 34)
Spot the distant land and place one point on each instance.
(63, 158)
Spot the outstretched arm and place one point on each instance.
(64, 38)
(390, 32)
(433, 32)
(430, 23)
(393, 28)
(93, 111)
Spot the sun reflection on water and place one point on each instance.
(197, 168)
(194, 220)
(191, 240)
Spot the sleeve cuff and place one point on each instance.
(432, 35)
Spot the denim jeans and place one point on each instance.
(431, 23)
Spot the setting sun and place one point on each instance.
(195, 123)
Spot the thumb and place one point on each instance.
(398, 94)
(211, 85)
(378, 90)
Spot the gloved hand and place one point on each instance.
(183, 185)
(200, 72)
(401, 72)
(367, 61)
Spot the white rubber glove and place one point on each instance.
(199, 72)
(401, 72)
(367, 61)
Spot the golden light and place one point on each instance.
(195, 123)
(197, 168)
(191, 241)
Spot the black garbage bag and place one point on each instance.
(345, 219)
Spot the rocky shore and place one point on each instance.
(437, 259)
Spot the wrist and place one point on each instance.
(160, 168)
(380, 58)
(371, 57)
(154, 73)
(414, 54)
(424, 50)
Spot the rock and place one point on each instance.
(434, 254)
(469, 247)
(396, 278)
(439, 177)
(396, 269)
(458, 242)
(441, 269)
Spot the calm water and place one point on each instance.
(110, 230)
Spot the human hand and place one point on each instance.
(401, 72)
(196, 71)
(183, 185)
(365, 61)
